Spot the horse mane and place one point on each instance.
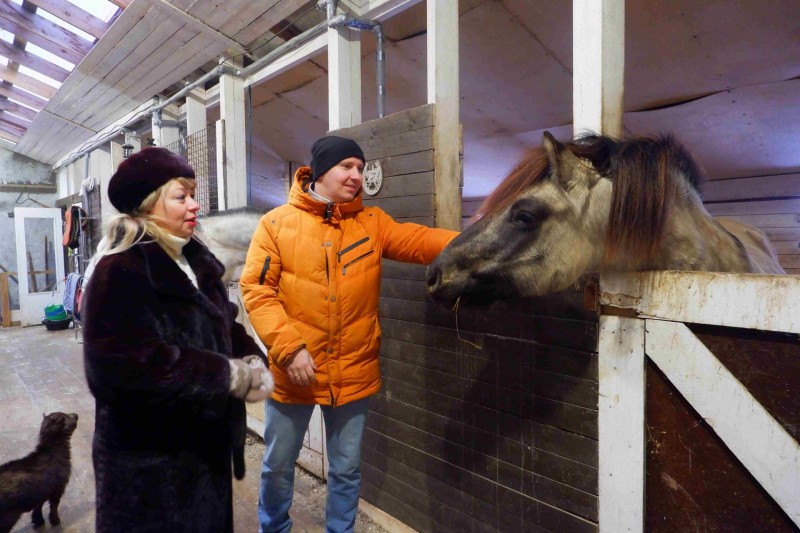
(532, 167)
(647, 174)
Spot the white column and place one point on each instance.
(195, 111)
(598, 43)
(165, 129)
(344, 78)
(232, 115)
(621, 442)
(443, 90)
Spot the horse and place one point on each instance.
(592, 205)
(227, 234)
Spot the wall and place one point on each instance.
(767, 202)
(487, 421)
(24, 182)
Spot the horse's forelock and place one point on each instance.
(531, 168)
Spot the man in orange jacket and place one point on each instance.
(311, 287)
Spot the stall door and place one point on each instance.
(40, 261)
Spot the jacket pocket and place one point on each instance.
(264, 270)
(343, 251)
(356, 260)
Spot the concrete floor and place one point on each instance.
(42, 371)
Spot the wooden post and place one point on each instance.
(598, 38)
(221, 165)
(443, 91)
(5, 303)
(195, 111)
(232, 114)
(344, 78)
(621, 442)
(196, 119)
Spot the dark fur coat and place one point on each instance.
(156, 357)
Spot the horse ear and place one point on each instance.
(563, 163)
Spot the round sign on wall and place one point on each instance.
(373, 177)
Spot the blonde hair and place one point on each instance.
(123, 231)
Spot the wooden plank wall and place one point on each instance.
(487, 421)
(768, 202)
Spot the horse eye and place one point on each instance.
(524, 217)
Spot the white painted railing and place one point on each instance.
(643, 314)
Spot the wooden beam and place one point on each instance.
(33, 62)
(69, 12)
(121, 3)
(28, 83)
(11, 128)
(776, 186)
(21, 96)
(443, 90)
(773, 302)
(762, 207)
(598, 44)
(22, 111)
(9, 136)
(15, 120)
(43, 33)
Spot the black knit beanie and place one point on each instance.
(141, 174)
(328, 151)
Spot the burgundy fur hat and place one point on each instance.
(143, 173)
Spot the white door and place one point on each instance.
(40, 261)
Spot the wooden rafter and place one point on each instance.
(20, 110)
(33, 62)
(15, 120)
(74, 15)
(9, 136)
(43, 33)
(9, 127)
(21, 96)
(28, 83)
(121, 3)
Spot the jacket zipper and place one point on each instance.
(359, 258)
(264, 271)
(340, 253)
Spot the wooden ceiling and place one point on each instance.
(23, 96)
(148, 47)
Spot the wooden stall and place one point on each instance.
(699, 411)
(487, 419)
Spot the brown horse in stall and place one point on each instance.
(596, 204)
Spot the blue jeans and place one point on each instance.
(286, 426)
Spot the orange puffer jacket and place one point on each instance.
(315, 281)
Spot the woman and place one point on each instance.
(163, 359)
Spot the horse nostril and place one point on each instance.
(434, 276)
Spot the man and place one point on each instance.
(311, 287)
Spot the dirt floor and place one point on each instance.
(42, 371)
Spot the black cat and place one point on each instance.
(25, 484)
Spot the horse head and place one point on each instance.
(536, 233)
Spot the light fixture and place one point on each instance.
(127, 150)
(151, 142)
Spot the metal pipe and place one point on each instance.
(343, 21)
(153, 110)
(291, 44)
